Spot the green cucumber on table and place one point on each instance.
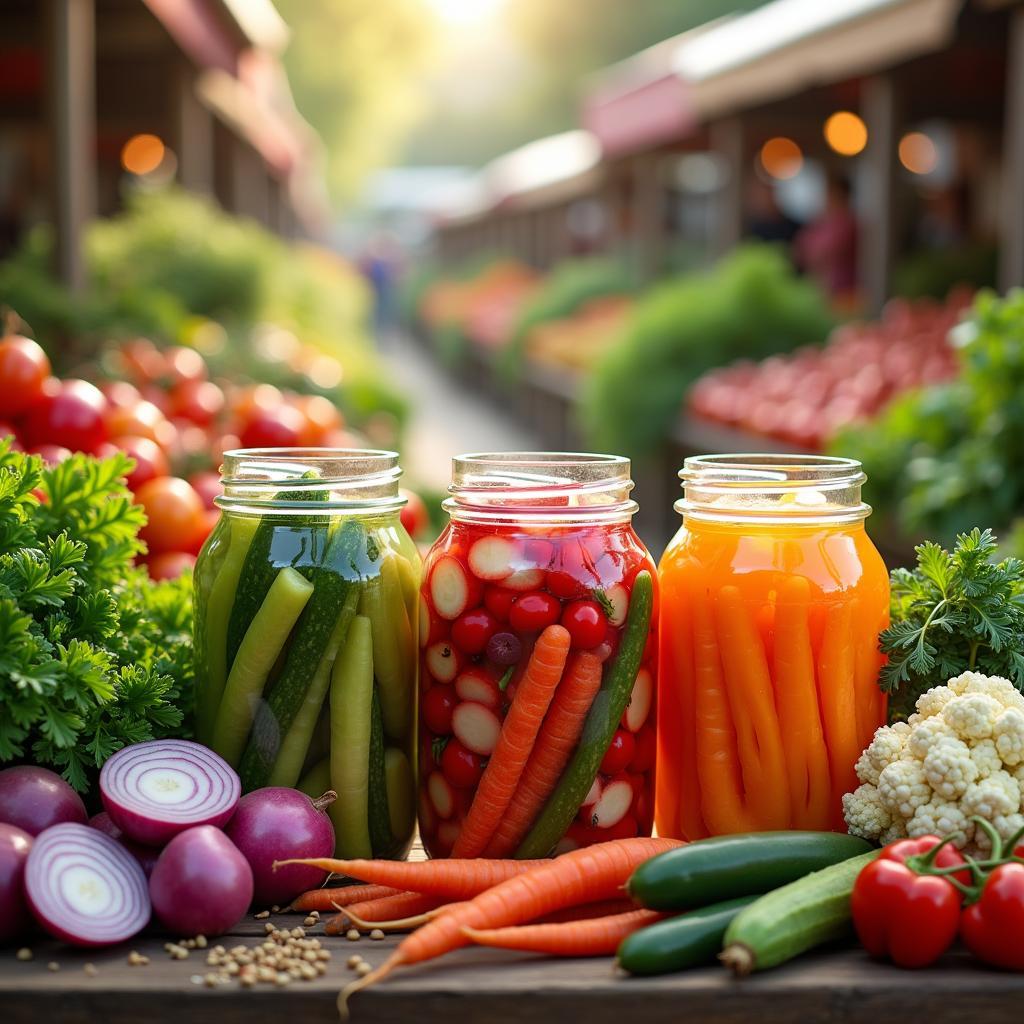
(602, 720)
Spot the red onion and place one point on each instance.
(15, 844)
(84, 887)
(201, 885)
(35, 798)
(280, 824)
(155, 790)
(145, 855)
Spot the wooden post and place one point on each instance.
(194, 130)
(71, 74)
(728, 140)
(878, 210)
(648, 215)
(1011, 254)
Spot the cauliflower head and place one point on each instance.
(961, 754)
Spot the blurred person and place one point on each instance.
(765, 219)
(826, 248)
(379, 266)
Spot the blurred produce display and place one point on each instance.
(808, 395)
(579, 341)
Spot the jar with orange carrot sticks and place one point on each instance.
(773, 596)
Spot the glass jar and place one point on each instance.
(538, 649)
(773, 597)
(306, 604)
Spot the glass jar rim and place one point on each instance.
(773, 487)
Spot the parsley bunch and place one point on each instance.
(954, 613)
(93, 654)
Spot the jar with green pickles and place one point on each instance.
(306, 604)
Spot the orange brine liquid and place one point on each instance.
(768, 674)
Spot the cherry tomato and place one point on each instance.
(140, 420)
(120, 394)
(51, 454)
(150, 460)
(498, 601)
(7, 430)
(624, 828)
(460, 766)
(533, 612)
(586, 622)
(174, 512)
(571, 574)
(414, 513)
(436, 709)
(207, 521)
(200, 401)
(619, 753)
(645, 750)
(170, 565)
(322, 417)
(24, 367)
(184, 364)
(70, 414)
(472, 630)
(145, 362)
(207, 486)
(277, 428)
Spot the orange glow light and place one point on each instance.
(781, 157)
(846, 133)
(142, 154)
(917, 153)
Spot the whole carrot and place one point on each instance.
(340, 896)
(582, 876)
(454, 879)
(558, 736)
(387, 908)
(515, 742)
(597, 936)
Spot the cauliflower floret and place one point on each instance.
(903, 787)
(972, 716)
(949, 768)
(997, 795)
(931, 703)
(886, 747)
(1009, 736)
(925, 735)
(941, 818)
(1006, 825)
(999, 689)
(866, 814)
(986, 757)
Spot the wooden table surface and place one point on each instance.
(491, 987)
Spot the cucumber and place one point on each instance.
(793, 919)
(602, 720)
(723, 867)
(310, 639)
(409, 578)
(400, 786)
(351, 713)
(263, 642)
(317, 780)
(380, 820)
(689, 940)
(295, 746)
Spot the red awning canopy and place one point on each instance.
(201, 35)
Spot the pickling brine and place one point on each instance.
(306, 605)
(773, 597)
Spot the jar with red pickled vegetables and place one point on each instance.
(773, 597)
(538, 652)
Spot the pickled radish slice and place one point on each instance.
(618, 597)
(524, 579)
(441, 795)
(639, 705)
(449, 588)
(442, 662)
(84, 887)
(424, 622)
(593, 794)
(614, 803)
(476, 727)
(476, 685)
(491, 558)
(152, 791)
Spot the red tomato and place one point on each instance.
(586, 622)
(460, 766)
(208, 520)
(645, 749)
(170, 565)
(7, 430)
(619, 752)
(624, 828)
(472, 630)
(120, 394)
(533, 612)
(207, 486)
(321, 416)
(572, 572)
(200, 401)
(436, 708)
(70, 414)
(278, 428)
(143, 419)
(150, 460)
(145, 362)
(24, 368)
(184, 364)
(247, 402)
(51, 454)
(414, 513)
(498, 601)
(174, 512)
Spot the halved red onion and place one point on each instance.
(84, 887)
(155, 790)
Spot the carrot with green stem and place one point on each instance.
(558, 736)
(515, 742)
(333, 897)
(596, 936)
(593, 873)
